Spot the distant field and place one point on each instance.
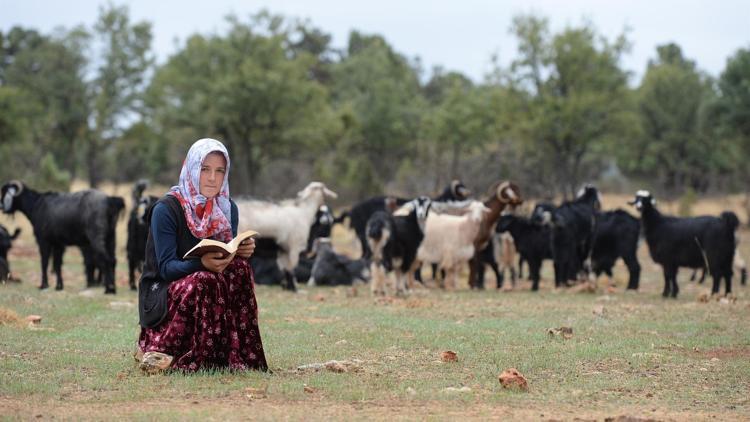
(631, 354)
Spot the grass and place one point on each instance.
(645, 356)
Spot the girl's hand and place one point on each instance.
(216, 261)
(246, 248)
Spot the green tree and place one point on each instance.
(733, 104)
(453, 124)
(572, 94)
(248, 89)
(675, 145)
(378, 90)
(116, 91)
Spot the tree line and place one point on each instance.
(92, 103)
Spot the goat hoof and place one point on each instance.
(110, 292)
(44, 287)
(58, 288)
(133, 288)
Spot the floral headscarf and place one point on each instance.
(204, 218)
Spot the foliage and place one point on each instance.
(120, 78)
(291, 107)
(245, 89)
(573, 96)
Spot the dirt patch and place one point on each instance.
(726, 352)
(8, 317)
(266, 407)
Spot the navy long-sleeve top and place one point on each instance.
(164, 231)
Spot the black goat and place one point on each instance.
(616, 236)
(693, 242)
(138, 230)
(533, 242)
(361, 212)
(330, 268)
(394, 240)
(6, 240)
(573, 224)
(85, 218)
(265, 268)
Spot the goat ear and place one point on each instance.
(330, 193)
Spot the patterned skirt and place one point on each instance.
(211, 322)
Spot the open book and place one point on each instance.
(209, 245)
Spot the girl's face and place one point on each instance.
(213, 171)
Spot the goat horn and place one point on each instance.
(18, 185)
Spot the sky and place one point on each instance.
(456, 35)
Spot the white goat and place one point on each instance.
(449, 240)
(288, 222)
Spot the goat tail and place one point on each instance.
(343, 216)
(115, 207)
(15, 233)
(731, 220)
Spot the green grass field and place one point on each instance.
(632, 354)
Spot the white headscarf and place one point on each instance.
(216, 222)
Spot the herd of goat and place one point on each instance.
(397, 237)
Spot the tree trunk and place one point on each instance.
(455, 159)
(92, 162)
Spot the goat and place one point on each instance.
(693, 242)
(330, 268)
(85, 218)
(6, 240)
(361, 212)
(502, 194)
(573, 224)
(287, 223)
(533, 242)
(616, 236)
(264, 262)
(267, 252)
(738, 264)
(394, 240)
(138, 230)
(449, 240)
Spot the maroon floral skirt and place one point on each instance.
(211, 322)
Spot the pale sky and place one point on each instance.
(457, 35)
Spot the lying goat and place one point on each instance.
(331, 269)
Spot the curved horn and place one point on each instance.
(18, 185)
(454, 186)
(500, 188)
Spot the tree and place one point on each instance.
(453, 122)
(120, 79)
(573, 96)
(248, 89)
(378, 90)
(675, 145)
(47, 74)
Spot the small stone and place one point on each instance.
(34, 319)
(512, 378)
(410, 391)
(449, 356)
